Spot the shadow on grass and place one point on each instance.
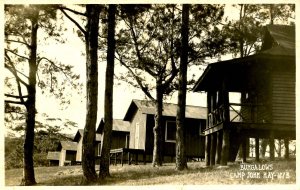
(196, 174)
(129, 175)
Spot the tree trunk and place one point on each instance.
(263, 147)
(279, 148)
(28, 170)
(241, 41)
(88, 150)
(286, 146)
(256, 149)
(272, 145)
(271, 15)
(181, 162)
(219, 147)
(108, 102)
(157, 145)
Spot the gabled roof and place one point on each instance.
(279, 40)
(278, 47)
(118, 125)
(68, 145)
(79, 134)
(53, 156)
(148, 107)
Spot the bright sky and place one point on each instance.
(71, 52)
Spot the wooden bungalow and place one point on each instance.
(68, 151)
(120, 133)
(266, 82)
(79, 137)
(140, 114)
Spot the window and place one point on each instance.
(99, 149)
(170, 134)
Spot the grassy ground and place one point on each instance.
(197, 174)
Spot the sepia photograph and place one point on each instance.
(149, 95)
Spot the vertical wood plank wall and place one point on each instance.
(283, 98)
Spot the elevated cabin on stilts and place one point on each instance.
(266, 82)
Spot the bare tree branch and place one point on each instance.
(73, 11)
(16, 54)
(13, 102)
(16, 41)
(13, 70)
(17, 71)
(14, 96)
(174, 70)
(140, 58)
(143, 88)
(54, 65)
(74, 21)
(18, 34)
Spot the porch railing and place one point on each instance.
(238, 113)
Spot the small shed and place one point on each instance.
(79, 137)
(266, 82)
(141, 113)
(68, 151)
(53, 157)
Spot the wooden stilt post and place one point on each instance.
(136, 159)
(129, 157)
(257, 149)
(272, 146)
(286, 147)
(225, 147)
(244, 149)
(226, 131)
(219, 147)
(213, 149)
(207, 149)
(208, 136)
(122, 158)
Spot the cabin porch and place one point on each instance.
(265, 107)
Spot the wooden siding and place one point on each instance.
(62, 157)
(257, 97)
(118, 140)
(194, 140)
(140, 119)
(79, 150)
(283, 98)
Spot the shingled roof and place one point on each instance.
(53, 155)
(118, 125)
(80, 134)
(68, 145)
(278, 47)
(279, 40)
(169, 109)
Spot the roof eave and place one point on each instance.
(197, 86)
(129, 113)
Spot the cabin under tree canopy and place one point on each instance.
(120, 133)
(141, 113)
(266, 82)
